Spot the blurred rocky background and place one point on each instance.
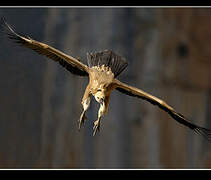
(169, 55)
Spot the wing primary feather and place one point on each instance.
(70, 63)
(131, 91)
(203, 132)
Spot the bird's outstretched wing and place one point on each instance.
(132, 91)
(71, 64)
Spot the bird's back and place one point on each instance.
(100, 76)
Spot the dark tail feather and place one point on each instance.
(108, 58)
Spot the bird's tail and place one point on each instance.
(109, 59)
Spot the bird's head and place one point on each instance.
(100, 96)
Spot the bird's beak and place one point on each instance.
(101, 101)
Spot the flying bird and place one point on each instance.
(102, 70)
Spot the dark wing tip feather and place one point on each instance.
(6, 28)
(206, 133)
(22, 40)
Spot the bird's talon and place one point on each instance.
(82, 120)
(96, 127)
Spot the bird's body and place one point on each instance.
(102, 69)
(102, 74)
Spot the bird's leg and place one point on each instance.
(82, 119)
(85, 102)
(101, 113)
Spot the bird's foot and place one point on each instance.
(82, 120)
(96, 126)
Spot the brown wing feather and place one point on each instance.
(132, 91)
(71, 64)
